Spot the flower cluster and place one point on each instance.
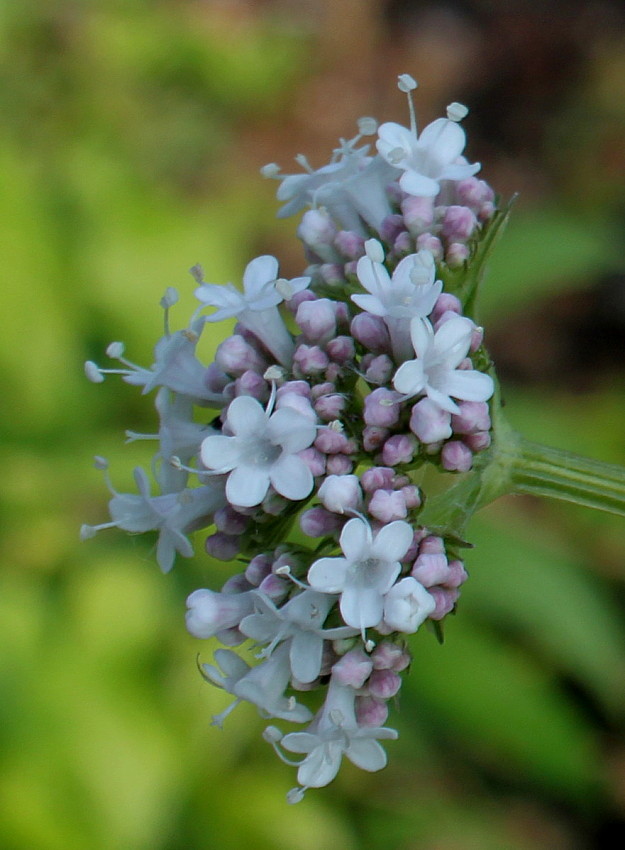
(332, 394)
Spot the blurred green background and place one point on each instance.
(131, 134)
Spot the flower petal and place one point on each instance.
(247, 486)
(468, 385)
(366, 754)
(328, 575)
(362, 607)
(418, 184)
(444, 139)
(291, 477)
(220, 452)
(453, 339)
(355, 539)
(409, 378)
(291, 430)
(392, 541)
(370, 304)
(246, 416)
(259, 272)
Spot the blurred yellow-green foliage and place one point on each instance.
(131, 134)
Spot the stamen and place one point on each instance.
(301, 159)
(274, 373)
(115, 350)
(284, 288)
(408, 84)
(396, 155)
(218, 719)
(131, 436)
(285, 572)
(272, 169)
(296, 795)
(369, 645)
(457, 111)
(367, 126)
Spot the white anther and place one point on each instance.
(457, 111)
(406, 83)
(272, 735)
(100, 462)
(284, 288)
(92, 371)
(370, 645)
(367, 126)
(272, 169)
(115, 350)
(396, 155)
(274, 373)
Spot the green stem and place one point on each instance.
(544, 471)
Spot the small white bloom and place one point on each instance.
(407, 605)
(427, 158)
(262, 451)
(367, 572)
(434, 372)
(256, 307)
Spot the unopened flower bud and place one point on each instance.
(317, 320)
(430, 569)
(340, 493)
(351, 245)
(382, 408)
(339, 464)
(317, 231)
(458, 223)
(353, 669)
(399, 448)
(418, 214)
(429, 422)
(388, 505)
(456, 456)
(371, 332)
(374, 437)
(431, 243)
(377, 477)
(318, 522)
(456, 254)
(371, 711)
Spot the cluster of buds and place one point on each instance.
(330, 397)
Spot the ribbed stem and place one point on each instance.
(544, 471)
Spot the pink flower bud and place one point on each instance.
(378, 477)
(418, 214)
(230, 521)
(299, 387)
(388, 505)
(430, 422)
(258, 569)
(310, 360)
(403, 245)
(222, 546)
(300, 403)
(317, 230)
(318, 522)
(236, 356)
(456, 456)
(430, 569)
(299, 298)
(274, 587)
(353, 669)
(458, 223)
(380, 369)
(338, 464)
(350, 244)
(412, 496)
(478, 442)
(371, 711)
(317, 320)
(445, 601)
(457, 254)
(457, 574)
(446, 303)
(252, 384)
(340, 493)
(341, 349)
(384, 684)
(399, 448)
(314, 460)
(473, 192)
(390, 656)
(391, 227)
(473, 417)
(332, 274)
(432, 545)
(382, 408)
(237, 583)
(273, 503)
(371, 332)
(330, 407)
(431, 243)
(214, 379)
(373, 437)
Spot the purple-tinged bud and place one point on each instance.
(338, 465)
(317, 320)
(403, 245)
(332, 274)
(383, 684)
(382, 408)
(343, 315)
(370, 711)
(333, 372)
(413, 549)
(486, 211)
(314, 460)
(473, 192)
(431, 243)
(317, 522)
(236, 356)
(391, 227)
(388, 505)
(430, 569)
(412, 496)
(432, 545)
(429, 422)
(274, 587)
(231, 636)
(223, 546)
(237, 583)
(330, 407)
(317, 231)
(378, 477)
(371, 332)
(252, 384)
(478, 442)
(473, 417)
(340, 493)
(350, 244)
(418, 214)
(309, 360)
(258, 569)
(390, 656)
(299, 298)
(330, 440)
(274, 504)
(457, 254)
(214, 379)
(477, 338)
(209, 612)
(395, 194)
(456, 456)
(380, 370)
(457, 574)
(341, 349)
(458, 223)
(318, 390)
(373, 437)
(230, 521)
(300, 387)
(399, 448)
(295, 401)
(353, 669)
(446, 303)
(445, 601)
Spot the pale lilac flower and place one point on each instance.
(334, 733)
(434, 372)
(256, 307)
(367, 571)
(427, 158)
(262, 451)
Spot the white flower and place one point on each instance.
(410, 292)
(300, 619)
(334, 733)
(407, 605)
(428, 158)
(256, 306)
(434, 372)
(262, 451)
(209, 612)
(366, 573)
